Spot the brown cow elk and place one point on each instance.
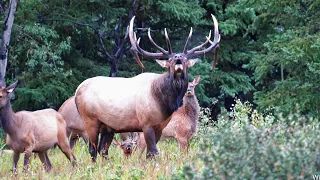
(75, 126)
(141, 103)
(184, 121)
(35, 131)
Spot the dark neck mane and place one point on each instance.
(169, 91)
(6, 118)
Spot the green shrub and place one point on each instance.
(247, 145)
(2, 143)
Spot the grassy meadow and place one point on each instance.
(242, 144)
(116, 166)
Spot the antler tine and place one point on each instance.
(213, 44)
(149, 54)
(133, 41)
(185, 49)
(135, 48)
(168, 41)
(201, 45)
(156, 45)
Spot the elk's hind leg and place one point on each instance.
(47, 159)
(73, 139)
(64, 144)
(45, 162)
(92, 128)
(106, 138)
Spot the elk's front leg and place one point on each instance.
(151, 141)
(16, 156)
(27, 154)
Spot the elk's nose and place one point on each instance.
(128, 146)
(189, 92)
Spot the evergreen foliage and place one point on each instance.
(251, 145)
(286, 68)
(269, 50)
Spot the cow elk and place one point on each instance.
(35, 131)
(143, 103)
(75, 125)
(183, 123)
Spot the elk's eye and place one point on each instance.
(0, 96)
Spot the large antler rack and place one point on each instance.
(196, 51)
(214, 44)
(135, 48)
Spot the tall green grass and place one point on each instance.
(116, 166)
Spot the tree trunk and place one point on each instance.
(113, 67)
(7, 28)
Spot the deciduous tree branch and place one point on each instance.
(7, 29)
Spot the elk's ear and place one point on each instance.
(163, 63)
(196, 80)
(191, 62)
(116, 142)
(11, 87)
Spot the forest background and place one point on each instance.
(269, 51)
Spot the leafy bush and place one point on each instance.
(247, 145)
(2, 141)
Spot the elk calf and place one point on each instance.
(128, 144)
(183, 123)
(75, 126)
(29, 132)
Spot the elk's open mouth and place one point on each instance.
(178, 66)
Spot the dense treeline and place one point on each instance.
(269, 51)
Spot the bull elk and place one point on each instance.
(143, 103)
(35, 131)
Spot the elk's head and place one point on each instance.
(191, 86)
(5, 92)
(128, 146)
(177, 63)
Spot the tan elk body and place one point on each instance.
(143, 103)
(75, 125)
(75, 128)
(183, 123)
(29, 132)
